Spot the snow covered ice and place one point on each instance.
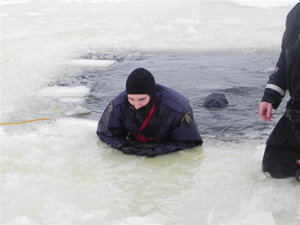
(58, 172)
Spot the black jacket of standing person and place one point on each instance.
(287, 72)
(283, 145)
(170, 124)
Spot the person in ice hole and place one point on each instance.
(148, 119)
(282, 152)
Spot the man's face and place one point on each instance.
(138, 100)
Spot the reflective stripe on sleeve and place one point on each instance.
(276, 88)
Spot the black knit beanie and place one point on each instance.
(140, 81)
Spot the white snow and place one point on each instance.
(265, 3)
(103, 64)
(58, 172)
(58, 91)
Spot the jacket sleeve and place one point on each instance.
(276, 86)
(185, 135)
(110, 128)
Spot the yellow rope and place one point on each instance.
(56, 109)
(30, 121)
(27, 121)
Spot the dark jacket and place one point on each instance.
(172, 122)
(287, 73)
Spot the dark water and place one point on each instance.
(241, 77)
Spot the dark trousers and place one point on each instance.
(283, 149)
(280, 162)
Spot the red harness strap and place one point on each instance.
(141, 138)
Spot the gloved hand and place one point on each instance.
(139, 150)
(132, 149)
(147, 151)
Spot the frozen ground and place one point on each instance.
(57, 172)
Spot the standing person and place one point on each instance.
(148, 113)
(282, 153)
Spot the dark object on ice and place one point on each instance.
(215, 100)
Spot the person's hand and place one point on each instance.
(132, 149)
(147, 151)
(139, 150)
(265, 111)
